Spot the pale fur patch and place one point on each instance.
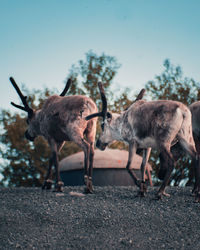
(147, 142)
(76, 194)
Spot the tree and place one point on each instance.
(171, 85)
(87, 73)
(24, 162)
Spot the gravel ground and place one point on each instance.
(111, 218)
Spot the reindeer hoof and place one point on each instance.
(47, 184)
(143, 187)
(143, 190)
(195, 191)
(85, 179)
(166, 194)
(197, 200)
(89, 187)
(161, 194)
(141, 194)
(197, 197)
(59, 186)
(88, 191)
(158, 196)
(138, 183)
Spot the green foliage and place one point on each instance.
(171, 85)
(87, 73)
(122, 102)
(24, 162)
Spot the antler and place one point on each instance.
(103, 113)
(66, 87)
(104, 101)
(23, 99)
(140, 95)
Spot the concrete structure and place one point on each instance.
(109, 168)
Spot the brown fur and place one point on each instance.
(62, 118)
(155, 124)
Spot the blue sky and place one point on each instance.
(41, 39)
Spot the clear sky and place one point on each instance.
(41, 39)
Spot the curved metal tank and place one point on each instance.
(109, 168)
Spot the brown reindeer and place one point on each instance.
(195, 110)
(62, 119)
(154, 124)
(177, 153)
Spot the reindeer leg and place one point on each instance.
(197, 180)
(48, 179)
(90, 171)
(89, 158)
(81, 142)
(196, 189)
(196, 167)
(86, 149)
(59, 183)
(190, 149)
(90, 137)
(55, 148)
(143, 186)
(132, 151)
(168, 159)
(88, 154)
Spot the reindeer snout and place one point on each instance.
(101, 145)
(98, 143)
(28, 137)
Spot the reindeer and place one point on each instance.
(154, 124)
(195, 110)
(176, 150)
(62, 119)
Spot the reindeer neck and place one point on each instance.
(116, 125)
(37, 121)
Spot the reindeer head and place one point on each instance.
(109, 125)
(33, 125)
(105, 137)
